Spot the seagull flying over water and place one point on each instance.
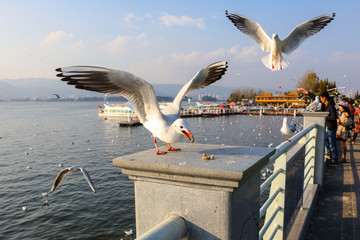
(287, 129)
(274, 45)
(46, 204)
(128, 233)
(164, 124)
(73, 169)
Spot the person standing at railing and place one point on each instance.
(328, 105)
(356, 130)
(343, 129)
(349, 103)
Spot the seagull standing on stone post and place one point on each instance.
(165, 124)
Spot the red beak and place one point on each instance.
(189, 136)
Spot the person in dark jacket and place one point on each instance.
(349, 103)
(328, 105)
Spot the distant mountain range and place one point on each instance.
(46, 88)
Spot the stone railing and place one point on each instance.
(225, 198)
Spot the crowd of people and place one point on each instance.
(342, 124)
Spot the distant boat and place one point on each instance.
(207, 104)
(210, 114)
(114, 110)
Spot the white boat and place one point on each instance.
(115, 110)
(122, 111)
(207, 104)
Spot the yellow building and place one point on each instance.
(291, 99)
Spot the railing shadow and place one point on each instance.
(336, 214)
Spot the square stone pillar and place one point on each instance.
(219, 198)
(318, 118)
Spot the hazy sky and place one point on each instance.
(169, 41)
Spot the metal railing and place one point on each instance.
(173, 228)
(302, 148)
(273, 210)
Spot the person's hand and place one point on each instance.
(303, 90)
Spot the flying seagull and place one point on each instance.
(274, 45)
(287, 129)
(57, 95)
(165, 124)
(45, 204)
(129, 232)
(73, 169)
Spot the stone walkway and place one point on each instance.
(337, 210)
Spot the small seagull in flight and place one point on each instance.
(73, 169)
(45, 204)
(274, 45)
(128, 233)
(56, 95)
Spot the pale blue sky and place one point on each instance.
(169, 41)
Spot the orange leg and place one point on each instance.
(272, 63)
(280, 65)
(173, 149)
(287, 138)
(157, 149)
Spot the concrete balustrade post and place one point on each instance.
(318, 118)
(219, 198)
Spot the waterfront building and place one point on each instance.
(292, 99)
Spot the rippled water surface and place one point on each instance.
(44, 135)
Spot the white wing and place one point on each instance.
(314, 103)
(252, 29)
(139, 92)
(59, 177)
(88, 179)
(203, 78)
(305, 30)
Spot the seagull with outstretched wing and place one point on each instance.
(73, 169)
(273, 45)
(314, 105)
(165, 125)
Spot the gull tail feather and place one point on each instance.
(276, 64)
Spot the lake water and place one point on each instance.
(44, 135)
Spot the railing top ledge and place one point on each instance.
(230, 162)
(285, 146)
(314, 114)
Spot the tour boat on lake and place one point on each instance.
(115, 110)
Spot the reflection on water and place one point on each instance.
(44, 135)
